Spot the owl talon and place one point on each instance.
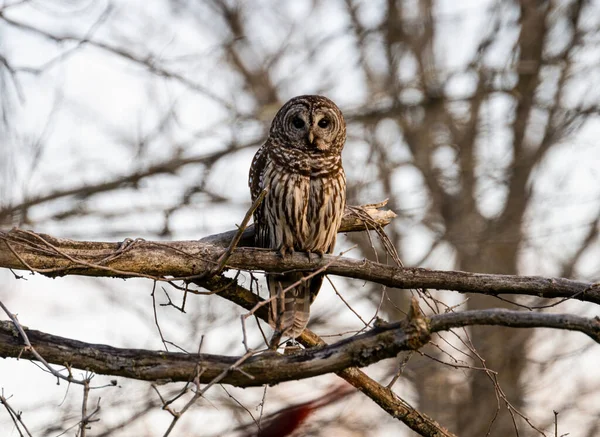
(314, 255)
(285, 251)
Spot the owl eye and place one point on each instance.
(298, 123)
(323, 123)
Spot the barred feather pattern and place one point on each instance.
(302, 211)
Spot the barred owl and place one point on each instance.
(301, 166)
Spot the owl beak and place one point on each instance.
(311, 137)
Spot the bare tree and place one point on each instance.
(468, 146)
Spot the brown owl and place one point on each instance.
(301, 166)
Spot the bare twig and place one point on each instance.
(192, 401)
(87, 418)
(162, 338)
(15, 416)
(345, 302)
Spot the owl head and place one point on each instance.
(312, 124)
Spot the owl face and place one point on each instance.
(313, 124)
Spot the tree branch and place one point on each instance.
(272, 368)
(188, 260)
(266, 368)
(516, 319)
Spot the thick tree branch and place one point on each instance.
(266, 368)
(272, 368)
(192, 259)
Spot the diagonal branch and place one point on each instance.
(391, 403)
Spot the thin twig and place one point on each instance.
(345, 302)
(200, 392)
(14, 415)
(85, 417)
(262, 405)
(177, 415)
(240, 404)
(162, 338)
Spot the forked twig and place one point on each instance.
(14, 415)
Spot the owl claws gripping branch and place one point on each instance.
(301, 166)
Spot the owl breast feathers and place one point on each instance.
(301, 166)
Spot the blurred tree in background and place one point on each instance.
(476, 119)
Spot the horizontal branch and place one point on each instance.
(194, 259)
(413, 277)
(265, 368)
(516, 319)
(269, 367)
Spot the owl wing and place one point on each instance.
(256, 184)
(255, 178)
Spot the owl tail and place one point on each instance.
(290, 311)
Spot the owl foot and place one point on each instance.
(286, 251)
(317, 254)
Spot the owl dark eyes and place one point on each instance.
(323, 123)
(298, 122)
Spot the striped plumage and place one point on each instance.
(301, 165)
